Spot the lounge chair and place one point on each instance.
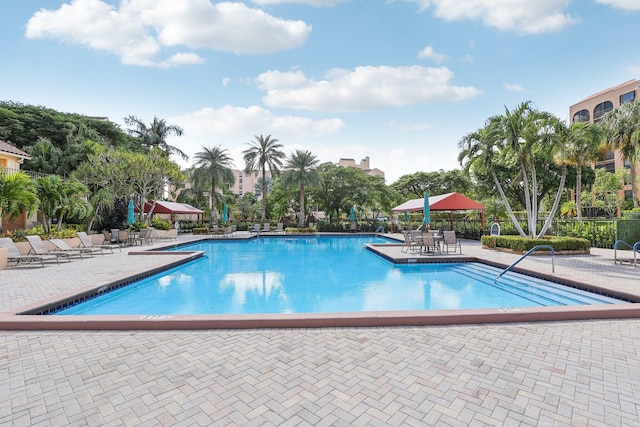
(255, 228)
(266, 227)
(86, 242)
(38, 248)
(451, 242)
(61, 245)
(14, 255)
(280, 228)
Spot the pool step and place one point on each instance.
(537, 290)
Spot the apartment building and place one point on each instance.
(10, 160)
(592, 108)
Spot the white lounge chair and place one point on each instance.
(61, 245)
(86, 242)
(266, 227)
(14, 254)
(38, 248)
(280, 228)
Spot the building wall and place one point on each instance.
(594, 106)
(365, 165)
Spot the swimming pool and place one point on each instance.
(322, 275)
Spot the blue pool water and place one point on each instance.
(322, 275)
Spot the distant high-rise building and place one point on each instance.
(364, 165)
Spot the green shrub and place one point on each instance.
(160, 224)
(523, 244)
(300, 230)
(199, 230)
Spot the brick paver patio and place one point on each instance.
(580, 373)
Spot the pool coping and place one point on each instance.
(23, 318)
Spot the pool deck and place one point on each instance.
(576, 372)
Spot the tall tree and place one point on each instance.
(622, 126)
(481, 149)
(214, 164)
(156, 134)
(583, 142)
(263, 153)
(301, 170)
(17, 194)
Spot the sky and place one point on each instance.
(400, 81)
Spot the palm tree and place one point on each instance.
(301, 171)
(622, 126)
(583, 142)
(263, 153)
(480, 148)
(156, 134)
(17, 194)
(214, 165)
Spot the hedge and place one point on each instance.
(523, 244)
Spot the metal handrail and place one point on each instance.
(635, 248)
(535, 248)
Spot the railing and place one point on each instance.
(9, 171)
(622, 243)
(535, 248)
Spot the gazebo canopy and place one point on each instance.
(443, 202)
(172, 208)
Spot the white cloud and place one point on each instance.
(317, 3)
(513, 87)
(522, 16)
(232, 127)
(364, 88)
(138, 30)
(231, 122)
(621, 4)
(410, 127)
(429, 53)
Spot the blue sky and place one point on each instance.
(400, 81)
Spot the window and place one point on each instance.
(627, 164)
(610, 155)
(601, 109)
(627, 97)
(581, 116)
(609, 166)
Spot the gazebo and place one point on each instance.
(172, 208)
(444, 202)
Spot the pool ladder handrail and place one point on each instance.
(530, 251)
(635, 248)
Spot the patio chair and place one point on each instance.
(429, 243)
(143, 236)
(38, 248)
(85, 241)
(266, 227)
(280, 228)
(14, 254)
(61, 245)
(451, 242)
(409, 243)
(255, 228)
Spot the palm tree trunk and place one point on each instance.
(264, 193)
(301, 218)
(506, 204)
(527, 194)
(579, 190)
(212, 200)
(634, 194)
(556, 203)
(534, 198)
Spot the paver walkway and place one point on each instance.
(584, 373)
